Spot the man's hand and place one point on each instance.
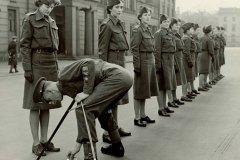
(71, 154)
(81, 96)
(28, 76)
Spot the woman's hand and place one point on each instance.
(80, 97)
(71, 154)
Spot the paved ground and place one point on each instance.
(206, 129)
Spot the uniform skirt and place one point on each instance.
(167, 77)
(145, 84)
(118, 57)
(43, 65)
(190, 72)
(181, 75)
(204, 62)
(222, 57)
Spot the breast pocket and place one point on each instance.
(147, 40)
(117, 35)
(40, 31)
(168, 41)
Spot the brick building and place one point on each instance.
(229, 18)
(78, 22)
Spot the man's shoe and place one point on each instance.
(114, 150)
(202, 89)
(38, 149)
(186, 99)
(168, 110)
(16, 70)
(179, 102)
(172, 104)
(10, 71)
(123, 133)
(163, 113)
(138, 122)
(50, 147)
(147, 119)
(106, 139)
(195, 91)
(207, 86)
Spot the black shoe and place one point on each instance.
(147, 119)
(172, 104)
(106, 139)
(208, 86)
(10, 71)
(179, 102)
(202, 89)
(51, 147)
(16, 70)
(163, 113)
(168, 110)
(192, 94)
(190, 97)
(195, 91)
(139, 123)
(123, 133)
(38, 149)
(114, 150)
(186, 99)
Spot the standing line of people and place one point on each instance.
(162, 61)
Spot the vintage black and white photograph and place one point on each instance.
(119, 79)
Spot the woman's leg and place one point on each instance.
(174, 94)
(34, 125)
(142, 108)
(170, 96)
(44, 122)
(137, 106)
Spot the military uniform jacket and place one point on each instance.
(164, 43)
(112, 37)
(142, 48)
(189, 48)
(38, 32)
(198, 44)
(71, 80)
(142, 42)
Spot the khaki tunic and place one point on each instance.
(12, 52)
(222, 49)
(142, 48)
(164, 59)
(189, 57)
(178, 57)
(113, 44)
(205, 57)
(38, 46)
(197, 51)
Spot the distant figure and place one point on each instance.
(12, 54)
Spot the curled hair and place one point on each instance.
(173, 21)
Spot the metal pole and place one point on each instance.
(56, 129)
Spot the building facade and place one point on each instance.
(229, 18)
(78, 22)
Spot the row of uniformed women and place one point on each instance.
(178, 61)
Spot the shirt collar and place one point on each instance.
(114, 20)
(39, 15)
(144, 27)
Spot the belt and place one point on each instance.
(146, 51)
(44, 50)
(117, 50)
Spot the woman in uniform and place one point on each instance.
(142, 48)
(38, 46)
(205, 58)
(112, 46)
(164, 60)
(179, 68)
(188, 58)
